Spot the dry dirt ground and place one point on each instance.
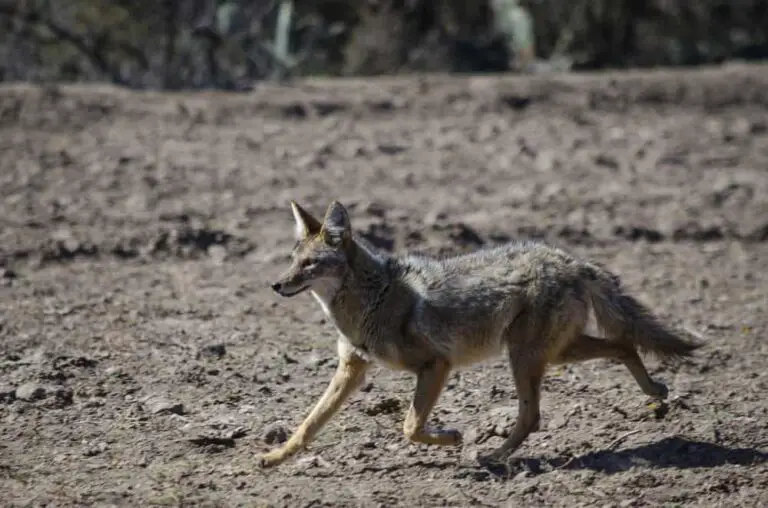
(145, 361)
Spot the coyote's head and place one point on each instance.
(320, 256)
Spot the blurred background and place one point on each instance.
(230, 44)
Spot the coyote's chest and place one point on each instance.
(343, 321)
(323, 305)
(373, 341)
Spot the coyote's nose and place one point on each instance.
(276, 287)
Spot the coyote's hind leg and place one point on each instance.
(429, 386)
(528, 372)
(585, 347)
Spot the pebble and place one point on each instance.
(275, 434)
(30, 392)
(212, 351)
(159, 405)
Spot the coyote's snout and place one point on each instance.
(429, 316)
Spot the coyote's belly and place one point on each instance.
(467, 327)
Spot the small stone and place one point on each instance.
(218, 254)
(30, 392)
(472, 436)
(317, 361)
(387, 405)
(237, 433)
(275, 434)
(7, 394)
(758, 127)
(212, 351)
(391, 148)
(435, 216)
(213, 440)
(501, 430)
(64, 395)
(607, 161)
(157, 405)
(558, 421)
(545, 162)
(312, 461)
(95, 449)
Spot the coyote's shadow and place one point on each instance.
(673, 452)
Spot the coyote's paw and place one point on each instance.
(452, 437)
(270, 459)
(659, 390)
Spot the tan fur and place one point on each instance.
(430, 316)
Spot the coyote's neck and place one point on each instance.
(353, 305)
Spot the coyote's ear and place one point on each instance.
(306, 225)
(336, 227)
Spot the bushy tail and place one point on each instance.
(622, 317)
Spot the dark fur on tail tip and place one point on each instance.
(646, 332)
(624, 318)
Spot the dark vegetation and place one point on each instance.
(230, 44)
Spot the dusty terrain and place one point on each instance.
(145, 361)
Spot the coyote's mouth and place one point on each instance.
(282, 291)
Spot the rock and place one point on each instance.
(94, 449)
(113, 371)
(218, 254)
(501, 430)
(472, 436)
(501, 420)
(218, 437)
(64, 395)
(30, 392)
(159, 405)
(237, 432)
(546, 162)
(7, 394)
(211, 440)
(275, 434)
(7, 273)
(435, 216)
(464, 236)
(212, 351)
(758, 127)
(387, 405)
(607, 161)
(312, 461)
(391, 148)
(7, 277)
(375, 209)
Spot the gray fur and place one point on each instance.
(429, 316)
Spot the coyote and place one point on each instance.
(429, 316)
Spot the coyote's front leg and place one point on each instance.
(348, 377)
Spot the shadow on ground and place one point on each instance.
(674, 452)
